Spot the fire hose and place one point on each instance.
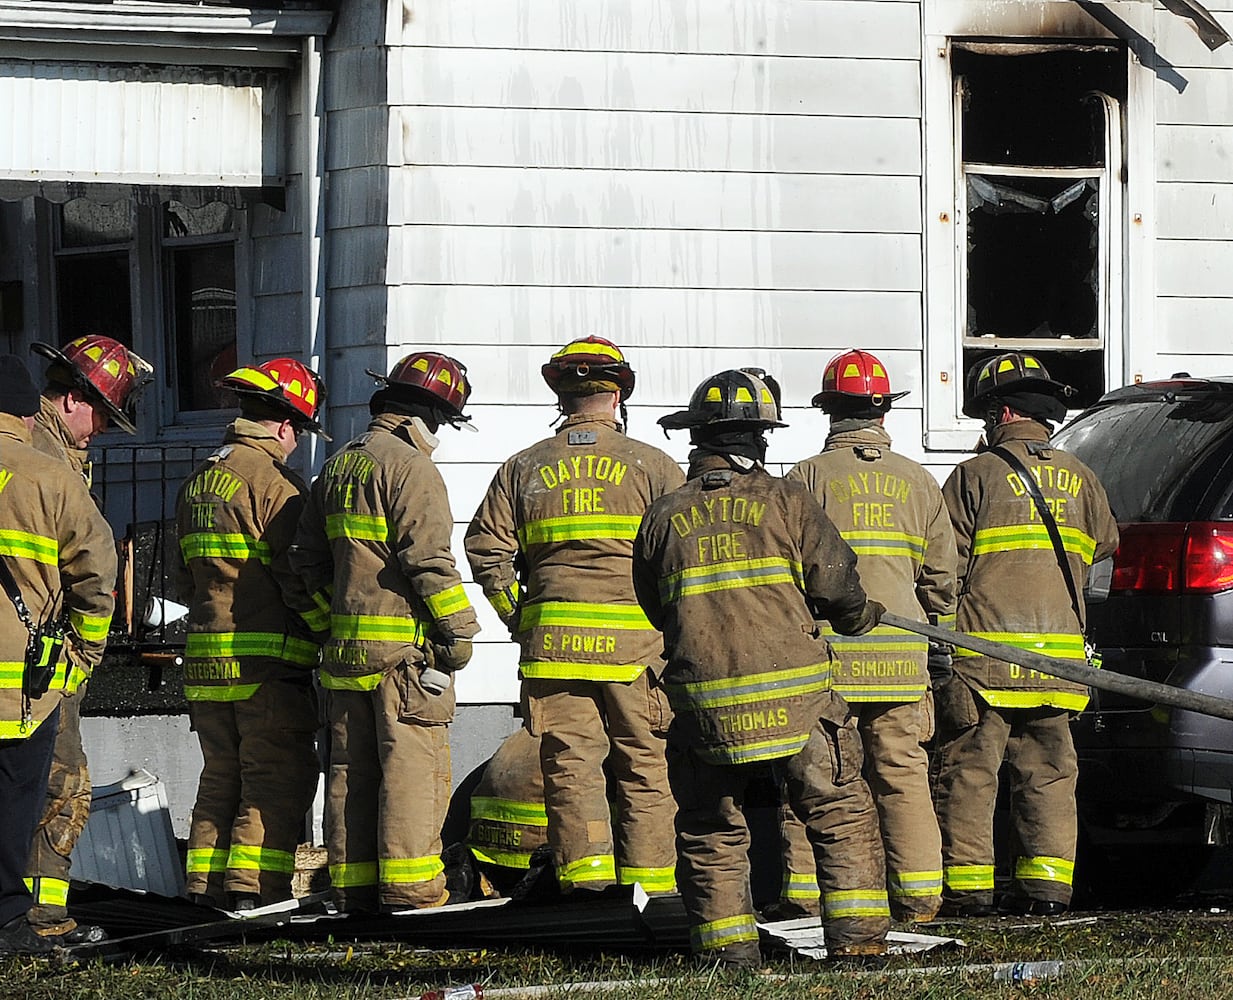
(1072, 670)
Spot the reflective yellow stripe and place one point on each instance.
(724, 692)
(947, 621)
(505, 601)
(447, 602)
(855, 903)
(596, 868)
(796, 886)
(968, 878)
(565, 671)
(902, 885)
(885, 543)
(48, 891)
(506, 859)
(881, 638)
(360, 527)
(1045, 869)
(220, 692)
(15, 729)
(1072, 701)
(1063, 645)
(749, 753)
(720, 933)
(576, 614)
(316, 619)
(208, 645)
(1013, 537)
(409, 871)
(353, 874)
(230, 545)
(508, 811)
(24, 545)
(734, 575)
(878, 693)
(244, 857)
(651, 879)
(12, 673)
(377, 628)
(322, 599)
(205, 859)
(579, 526)
(90, 627)
(365, 682)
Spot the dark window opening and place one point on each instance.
(1040, 134)
(93, 296)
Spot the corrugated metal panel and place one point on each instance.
(128, 842)
(93, 122)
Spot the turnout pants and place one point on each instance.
(582, 723)
(258, 781)
(63, 817)
(832, 801)
(386, 797)
(24, 765)
(896, 768)
(972, 739)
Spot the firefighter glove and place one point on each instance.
(449, 656)
(939, 663)
(867, 619)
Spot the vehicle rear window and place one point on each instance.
(1158, 459)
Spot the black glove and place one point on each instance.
(866, 620)
(939, 663)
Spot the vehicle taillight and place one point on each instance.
(1173, 558)
(1209, 558)
(1149, 558)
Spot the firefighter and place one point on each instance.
(734, 567)
(1012, 589)
(891, 512)
(508, 819)
(59, 552)
(373, 552)
(565, 511)
(248, 659)
(91, 383)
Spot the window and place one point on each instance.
(161, 278)
(1028, 183)
(1040, 247)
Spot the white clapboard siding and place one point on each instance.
(1177, 39)
(660, 140)
(1194, 268)
(1195, 211)
(639, 258)
(1207, 99)
(1194, 152)
(635, 81)
(637, 317)
(858, 28)
(1195, 326)
(649, 199)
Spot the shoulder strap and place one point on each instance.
(1046, 517)
(10, 587)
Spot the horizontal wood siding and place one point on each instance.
(1194, 202)
(709, 184)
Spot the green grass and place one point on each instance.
(1158, 955)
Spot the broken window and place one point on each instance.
(1039, 130)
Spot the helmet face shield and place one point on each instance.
(730, 400)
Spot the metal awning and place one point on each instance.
(1210, 30)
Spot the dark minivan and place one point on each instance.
(1149, 775)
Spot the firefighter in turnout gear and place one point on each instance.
(1014, 588)
(62, 560)
(736, 545)
(249, 659)
(564, 512)
(91, 382)
(891, 512)
(373, 552)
